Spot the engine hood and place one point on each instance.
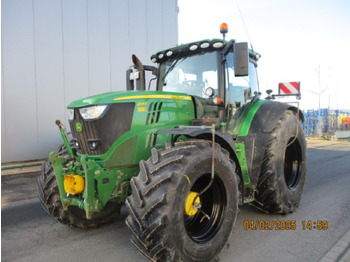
(127, 96)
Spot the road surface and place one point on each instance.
(30, 234)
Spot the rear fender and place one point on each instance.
(257, 139)
(269, 113)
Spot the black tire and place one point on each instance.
(49, 196)
(160, 228)
(284, 167)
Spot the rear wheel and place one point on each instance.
(284, 168)
(172, 216)
(49, 196)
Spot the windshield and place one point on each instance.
(191, 75)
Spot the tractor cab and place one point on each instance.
(220, 75)
(206, 71)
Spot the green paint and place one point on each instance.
(78, 127)
(136, 144)
(91, 202)
(57, 164)
(239, 124)
(241, 155)
(247, 120)
(66, 141)
(109, 98)
(111, 184)
(107, 176)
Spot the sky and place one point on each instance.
(299, 40)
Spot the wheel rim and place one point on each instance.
(292, 164)
(213, 202)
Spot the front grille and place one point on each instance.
(103, 131)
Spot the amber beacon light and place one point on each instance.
(223, 29)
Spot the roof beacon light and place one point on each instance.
(223, 29)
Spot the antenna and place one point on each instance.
(246, 31)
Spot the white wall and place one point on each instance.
(56, 51)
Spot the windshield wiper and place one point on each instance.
(172, 67)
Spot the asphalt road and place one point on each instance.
(30, 234)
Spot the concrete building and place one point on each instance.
(56, 51)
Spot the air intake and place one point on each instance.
(153, 114)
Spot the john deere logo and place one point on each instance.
(78, 127)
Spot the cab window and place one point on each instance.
(240, 90)
(191, 75)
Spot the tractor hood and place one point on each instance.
(127, 96)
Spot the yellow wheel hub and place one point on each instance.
(192, 208)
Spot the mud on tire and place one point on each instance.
(284, 167)
(49, 196)
(161, 229)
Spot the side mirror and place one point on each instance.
(241, 59)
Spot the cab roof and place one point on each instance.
(193, 48)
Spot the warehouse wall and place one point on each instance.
(56, 51)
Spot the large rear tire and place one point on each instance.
(49, 196)
(161, 228)
(284, 167)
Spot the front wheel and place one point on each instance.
(172, 216)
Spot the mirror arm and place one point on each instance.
(227, 49)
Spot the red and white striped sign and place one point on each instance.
(289, 88)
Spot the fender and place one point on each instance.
(224, 140)
(257, 139)
(269, 113)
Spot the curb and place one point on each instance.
(21, 167)
(340, 252)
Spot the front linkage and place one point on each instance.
(82, 182)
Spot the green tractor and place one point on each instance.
(181, 158)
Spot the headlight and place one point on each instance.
(209, 92)
(70, 114)
(92, 112)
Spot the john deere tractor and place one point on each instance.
(183, 157)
